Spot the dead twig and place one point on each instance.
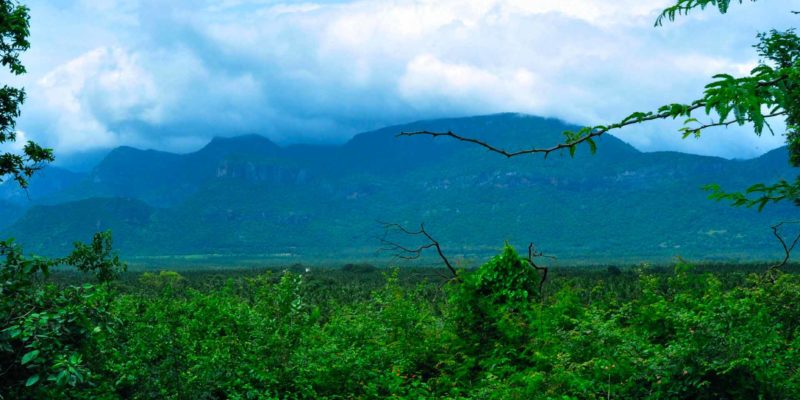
(787, 247)
(412, 253)
(532, 253)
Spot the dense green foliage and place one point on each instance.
(51, 336)
(591, 334)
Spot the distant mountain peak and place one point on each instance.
(245, 195)
(249, 138)
(243, 144)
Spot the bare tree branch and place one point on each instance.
(532, 253)
(412, 253)
(787, 247)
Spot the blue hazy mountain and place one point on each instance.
(246, 196)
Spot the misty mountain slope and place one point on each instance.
(51, 230)
(43, 183)
(14, 200)
(247, 196)
(161, 178)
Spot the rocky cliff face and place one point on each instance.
(261, 172)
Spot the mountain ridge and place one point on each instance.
(248, 195)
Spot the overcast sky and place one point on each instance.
(171, 74)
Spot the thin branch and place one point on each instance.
(636, 118)
(412, 253)
(695, 131)
(532, 253)
(547, 150)
(787, 248)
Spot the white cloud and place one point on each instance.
(103, 83)
(112, 76)
(428, 81)
(603, 13)
(150, 73)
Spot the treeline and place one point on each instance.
(489, 333)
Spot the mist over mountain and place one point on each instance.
(246, 196)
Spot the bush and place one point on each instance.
(675, 334)
(53, 340)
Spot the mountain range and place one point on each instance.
(248, 197)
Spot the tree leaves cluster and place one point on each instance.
(682, 7)
(14, 32)
(772, 90)
(49, 333)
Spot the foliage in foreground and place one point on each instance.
(492, 335)
(51, 337)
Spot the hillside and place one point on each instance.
(45, 183)
(246, 196)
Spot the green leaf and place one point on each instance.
(592, 145)
(13, 331)
(726, 77)
(32, 380)
(30, 356)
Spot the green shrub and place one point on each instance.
(54, 340)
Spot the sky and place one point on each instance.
(172, 74)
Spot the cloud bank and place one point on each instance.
(170, 75)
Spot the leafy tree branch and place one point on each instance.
(14, 32)
(682, 7)
(771, 91)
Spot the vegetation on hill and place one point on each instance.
(247, 197)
